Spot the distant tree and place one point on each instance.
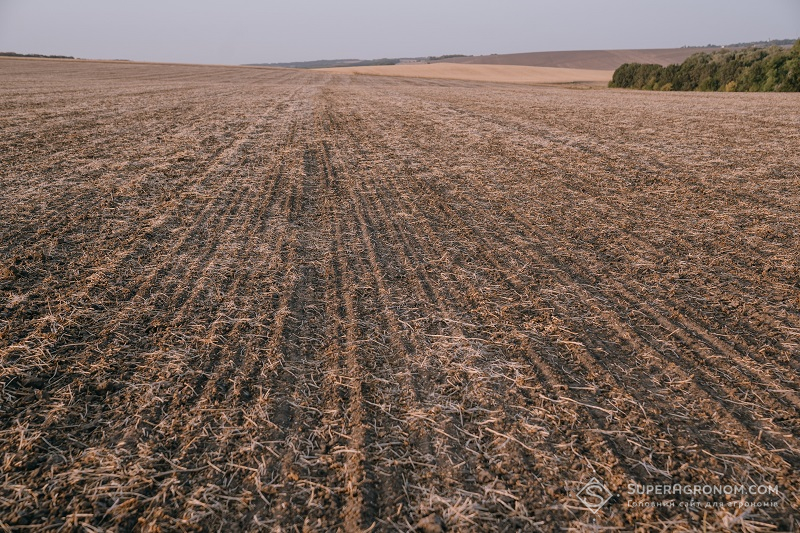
(15, 54)
(792, 80)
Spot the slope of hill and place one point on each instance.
(578, 59)
(584, 59)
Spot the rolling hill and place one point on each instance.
(584, 59)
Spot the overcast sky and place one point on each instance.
(250, 31)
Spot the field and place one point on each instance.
(584, 59)
(490, 73)
(242, 298)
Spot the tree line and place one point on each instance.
(15, 54)
(751, 69)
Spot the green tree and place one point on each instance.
(751, 69)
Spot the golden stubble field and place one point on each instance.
(240, 299)
(486, 73)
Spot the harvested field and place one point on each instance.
(242, 299)
(490, 73)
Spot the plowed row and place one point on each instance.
(241, 299)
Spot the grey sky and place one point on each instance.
(242, 31)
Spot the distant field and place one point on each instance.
(490, 73)
(584, 59)
(249, 299)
